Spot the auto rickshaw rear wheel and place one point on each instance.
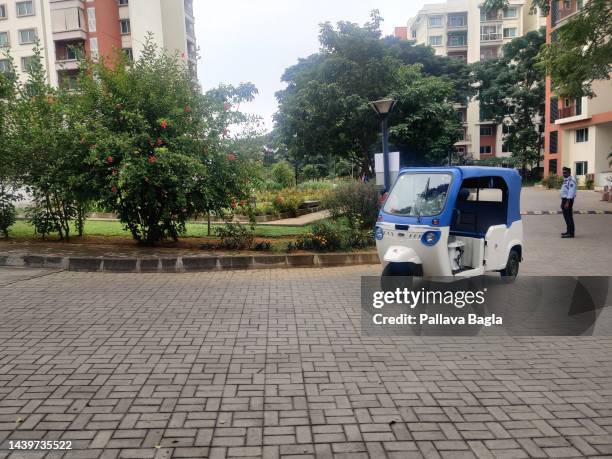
(512, 265)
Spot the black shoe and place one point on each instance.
(564, 234)
(567, 236)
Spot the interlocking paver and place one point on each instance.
(272, 364)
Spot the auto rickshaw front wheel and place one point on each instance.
(398, 275)
(512, 265)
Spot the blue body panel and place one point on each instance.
(459, 173)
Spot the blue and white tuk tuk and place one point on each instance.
(451, 222)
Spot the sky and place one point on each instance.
(256, 40)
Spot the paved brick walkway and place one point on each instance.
(271, 363)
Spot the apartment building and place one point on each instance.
(96, 27)
(578, 130)
(460, 30)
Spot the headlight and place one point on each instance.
(379, 233)
(430, 237)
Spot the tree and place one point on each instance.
(512, 92)
(46, 155)
(324, 110)
(580, 51)
(158, 147)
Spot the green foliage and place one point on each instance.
(552, 181)
(589, 181)
(158, 148)
(357, 201)
(287, 202)
(282, 173)
(323, 237)
(512, 92)
(8, 214)
(43, 220)
(235, 236)
(581, 49)
(324, 111)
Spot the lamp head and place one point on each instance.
(383, 107)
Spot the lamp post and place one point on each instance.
(383, 108)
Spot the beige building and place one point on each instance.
(458, 29)
(97, 27)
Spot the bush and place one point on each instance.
(589, 181)
(322, 238)
(358, 201)
(552, 181)
(288, 202)
(357, 238)
(282, 173)
(43, 221)
(8, 214)
(316, 185)
(235, 236)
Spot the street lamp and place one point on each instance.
(383, 108)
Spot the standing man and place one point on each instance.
(568, 194)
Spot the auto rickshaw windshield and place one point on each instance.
(418, 194)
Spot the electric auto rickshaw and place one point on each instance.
(451, 222)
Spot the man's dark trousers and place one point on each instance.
(568, 214)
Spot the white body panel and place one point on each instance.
(480, 255)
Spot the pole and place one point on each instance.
(385, 134)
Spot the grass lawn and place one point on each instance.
(113, 228)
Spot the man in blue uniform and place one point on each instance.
(568, 194)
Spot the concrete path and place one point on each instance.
(540, 199)
(302, 220)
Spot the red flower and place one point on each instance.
(114, 189)
(231, 157)
(227, 106)
(110, 160)
(233, 204)
(242, 202)
(152, 159)
(163, 124)
(187, 109)
(159, 142)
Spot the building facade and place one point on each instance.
(578, 130)
(460, 30)
(97, 27)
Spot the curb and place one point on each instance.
(183, 264)
(558, 212)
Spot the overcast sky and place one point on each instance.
(256, 40)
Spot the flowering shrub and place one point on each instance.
(357, 201)
(552, 181)
(235, 236)
(322, 238)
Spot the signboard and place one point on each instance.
(394, 167)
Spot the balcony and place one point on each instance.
(561, 9)
(491, 16)
(68, 24)
(457, 41)
(492, 36)
(456, 22)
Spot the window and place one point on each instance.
(581, 167)
(505, 147)
(125, 27)
(488, 53)
(435, 40)
(489, 15)
(27, 36)
(553, 141)
(582, 135)
(490, 32)
(456, 21)
(129, 53)
(5, 65)
(552, 166)
(414, 34)
(93, 48)
(69, 81)
(25, 8)
(124, 2)
(510, 13)
(91, 19)
(189, 28)
(510, 32)
(73, 50)
(554, 109)
(4, 40)
(27, 63)
(418, 194)
(457, 40)
(435, 21)
(485, 150)
(486, 130)
(3, 11)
